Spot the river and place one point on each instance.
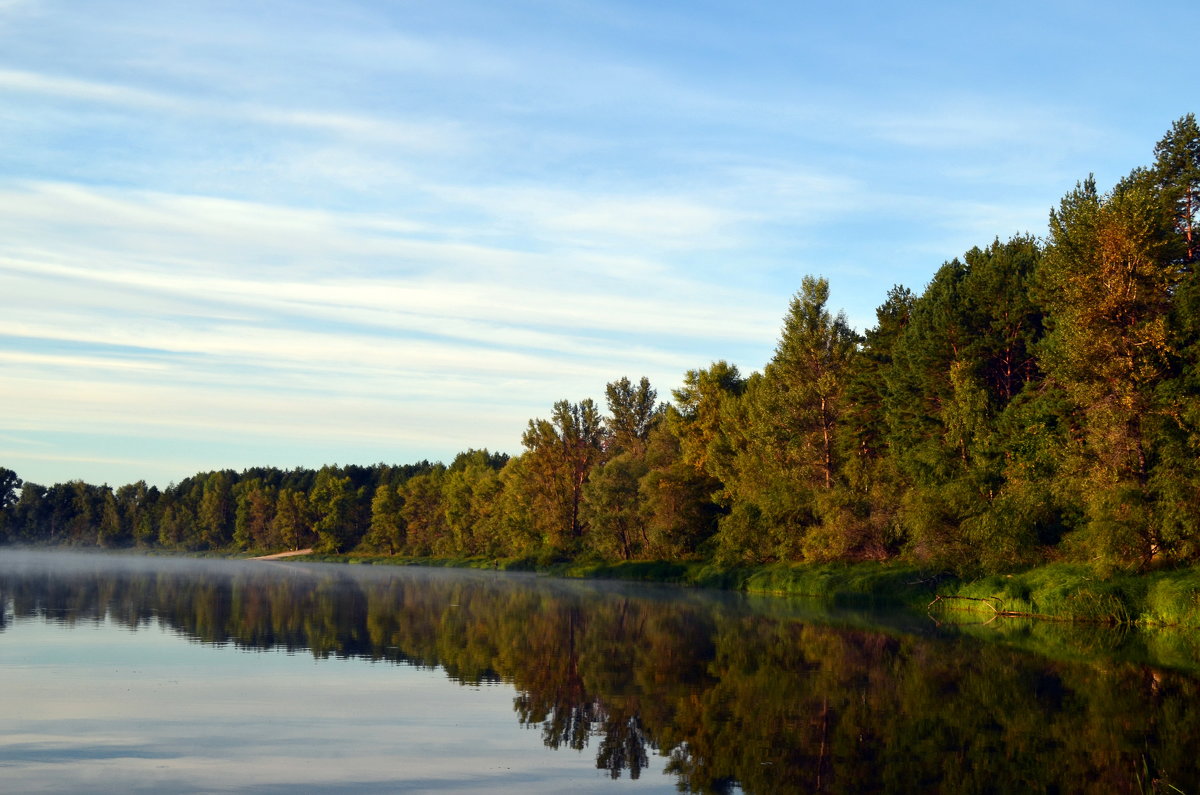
(160, 674)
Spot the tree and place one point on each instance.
(999, 307)
(1177, 169)
(612, 510)
(677, 510)
(387, 525)
(423, 512)
(135, 502)
(959, 371)
(805, 382)
(471, 496)
(110, 532)
(695, 420)
(865, 430)
(331, 502)
(1107, 283)
(778, 445)
(292, 524)
(860, 519)
(517, 527)
(253, 524)
(10, 487)
(217, 511)
(29, 516)
(633, 411)
(561, 452)
(177, 528)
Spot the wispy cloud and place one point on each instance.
(86, 90)
(440, 136)
(300, 214)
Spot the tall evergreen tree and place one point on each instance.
(1177, 169)
(780, 440)
(1107, 283)
(804, 385)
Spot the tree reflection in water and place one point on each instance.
(733, 696)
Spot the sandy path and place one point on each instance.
(278, 555)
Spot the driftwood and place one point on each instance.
(992, 602)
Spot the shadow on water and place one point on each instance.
(762, 694)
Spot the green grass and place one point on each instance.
(868, 584)
(1075, 592)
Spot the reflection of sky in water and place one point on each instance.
(99, 707)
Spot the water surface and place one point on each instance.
(170, 675)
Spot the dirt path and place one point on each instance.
(279, 555)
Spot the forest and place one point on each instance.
(1039, 401)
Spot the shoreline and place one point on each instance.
(1054, 592)
(1167, 599)
(277, 555)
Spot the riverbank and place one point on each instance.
(1057, 592)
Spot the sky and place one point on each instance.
(288, 233)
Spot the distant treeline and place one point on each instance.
(1040, 400)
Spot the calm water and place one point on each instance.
(169, 675)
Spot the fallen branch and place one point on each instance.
(987, 600)
(998, 613)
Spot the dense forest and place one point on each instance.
(1040, 400)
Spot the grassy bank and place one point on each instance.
(1072, 592)
(1060, 592)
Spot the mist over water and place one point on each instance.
(172, 674)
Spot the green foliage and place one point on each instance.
(678, 513)
(633, 412)
(560, 454)
(1177, 171)
(387, 531)
(217, 511)
(10, 488)
(255, 515)
(423, 513)
(330, 503)
(695, 418)
(612, 508)
(776, 447)
(293, 522)
(470, 491)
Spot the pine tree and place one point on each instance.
(1177, 169)
(1107, 283)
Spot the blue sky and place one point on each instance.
(294, 233)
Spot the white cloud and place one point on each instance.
(980, 123)
(240, 254)
(141, 316)
(86, 90)
(426, 136)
